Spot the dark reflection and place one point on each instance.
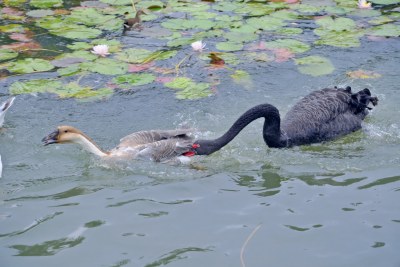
(382, 181)
(315, 180)
(73, 192)
(33, 225)
(175, 255)
(267, 180)
(48, 248)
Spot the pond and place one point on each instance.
(328, 204)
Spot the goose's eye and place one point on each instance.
(66, 131)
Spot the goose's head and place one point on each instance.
(64, 134)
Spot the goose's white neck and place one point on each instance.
(90, 146)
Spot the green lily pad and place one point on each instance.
(289, 31)
(34, 86)
(14, 3)
(74, 90)
(385, 2)
(183, 24)
(6, 54)
(12, 28)
(92, 17)
(188, 89)
(135, 79)
(338, 24)
(243, 78)
(266, 23)
(240, 37)
(60, 27)
(30, 65)
(188, 7)
(342, 39)
(45, 3)
(117, 2)
(387, 30)
(39, 13)
(134, 55)
(229, 46)
(315, 65)
(106, 66)
(79, 46)
(292, 45)
(70, 70)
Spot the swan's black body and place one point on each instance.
(320, 116)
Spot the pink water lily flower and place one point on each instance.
(198, 46)
(101, 50)
(363, 4)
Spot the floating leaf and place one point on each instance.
(363, 74)
(134, 55)
(266, 23)
(14, 3)
(39, 13)
(6, 54)
(292, 45)
(243, 78)
(117, 2)
(187, 89)
(12, 28)
(30, 65)
(315, 65)
(338, 24)
(385, 2)
(74, 90)
(387, 30)
(135, 79)
(70, 70)
(183, 24)
(34, 86)
(229, 46)
(106, 66)
(79, 46)
(45, 3)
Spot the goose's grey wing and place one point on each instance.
(148, 137)
(4, 107)
(165, 150)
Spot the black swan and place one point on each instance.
(320, 116)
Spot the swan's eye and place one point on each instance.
(66, 131)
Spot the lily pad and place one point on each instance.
(12, 28)
(45, 3)
(315, 65)
(385, 2)
(183, 24)
(292, 45)
(266, 23)
(134, 55)
(6, 54)
(229, 46)
(14, 3)
(30, 65)
(188, 89)
(70, 70)
(39, 13)
(106, 66)
(74, 90)
(338, 24)
(34, 86)
(387, 30)
(135, 79)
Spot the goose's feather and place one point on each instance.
(4, 107)
(148, 137)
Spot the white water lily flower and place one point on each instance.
(198, 46)
(101, 50)
(363, 4)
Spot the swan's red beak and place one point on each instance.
(51, 138)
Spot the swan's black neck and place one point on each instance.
(271, 130)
